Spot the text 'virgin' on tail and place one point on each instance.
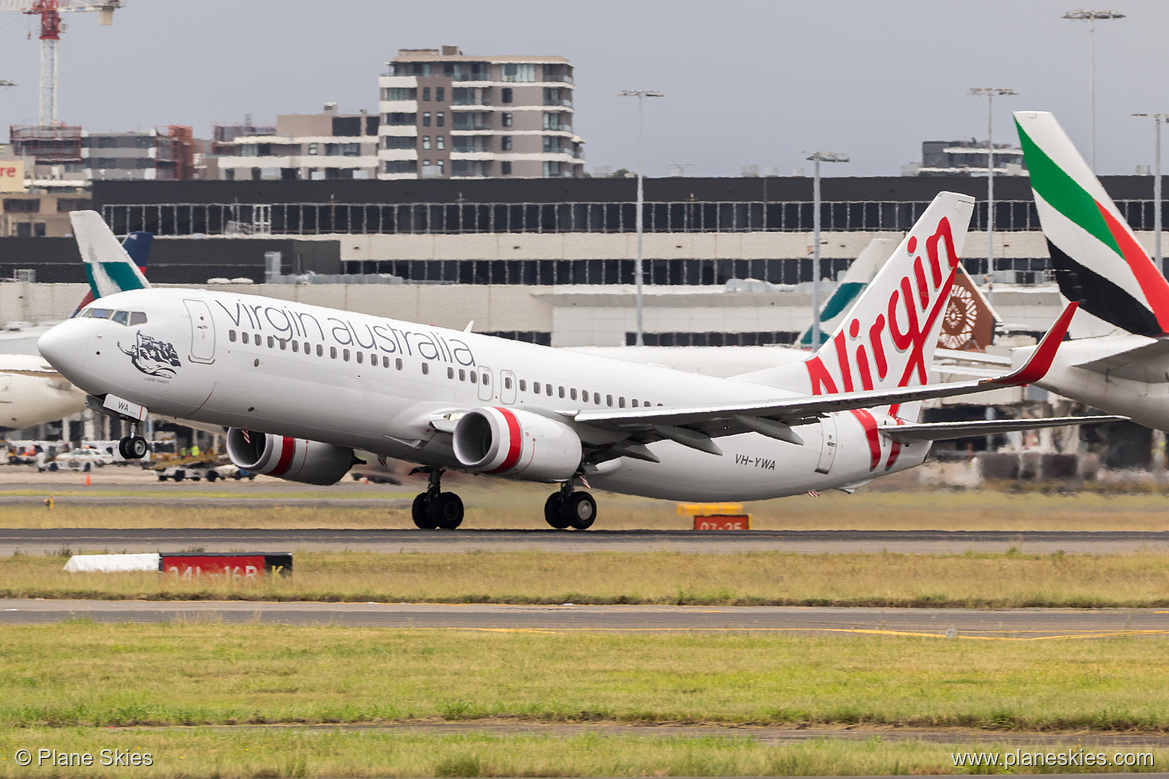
(889, 337)
(1094, 253)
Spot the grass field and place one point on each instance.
(762, 578)
(252, 754)
(513, 505)
(85, 674)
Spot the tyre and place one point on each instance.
(580, 510)
(420, 511)
(553, 513)
(87, 467)
(162, 477)
(179, 475)
(447, 511)
(212, 476)
(53, 466)
(137, 447)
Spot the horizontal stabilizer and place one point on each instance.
(1148, 362)
(942, 431)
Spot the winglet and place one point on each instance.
(1040, 361)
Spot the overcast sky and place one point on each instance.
(747, 82)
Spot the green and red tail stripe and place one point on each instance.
(1094, 253)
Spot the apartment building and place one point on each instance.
(325, 146)
(71, 156)
(448, 115)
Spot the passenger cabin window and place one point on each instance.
(283, 344)
(320, 350)
(621, 402)
(450, 373)
(425, 369)
(635, 402)
(474, 378)
(271, 342)
(360, 357)
(536, 387)
(231, 335)
(398, 363)
(462, 375)
(548, 390)
(572, 393)
(244, 337)
(332, 352)
(609, 400)
(296, 346)
(345, 355)
(523, 385)
(507, 383)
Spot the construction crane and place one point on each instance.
(51, 29)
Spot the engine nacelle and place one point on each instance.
(517, 443)
(294, 459)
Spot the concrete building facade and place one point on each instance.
(448, 115)
(328, 146)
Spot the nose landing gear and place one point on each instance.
(569, 508)
(436, 509)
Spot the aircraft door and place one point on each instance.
(827, 444)
(486, 387)
(202, 331)
(507, 387)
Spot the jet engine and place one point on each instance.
(294, 459)
(517, 443)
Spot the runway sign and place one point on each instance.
(723, 522)
(232, 565)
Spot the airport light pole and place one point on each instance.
(1090, 17)
(991, 93)
(1158, 119)
(637, 269)
(816, 158)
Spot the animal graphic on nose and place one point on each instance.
(152, 356)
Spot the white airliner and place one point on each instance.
(1098, 263)
(302, 388)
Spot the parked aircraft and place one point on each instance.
(1098, 263)
(302, 388)
(32, 392)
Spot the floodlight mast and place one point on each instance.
(1158, 119)
(637, 268)
(816, 157)
(1090, 17)
(991, 93)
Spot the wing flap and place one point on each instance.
(942, 431)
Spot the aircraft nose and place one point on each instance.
(65, 346)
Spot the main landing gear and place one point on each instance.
(436, 509)
(569, 508)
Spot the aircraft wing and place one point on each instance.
(941, 431)
(696, 426)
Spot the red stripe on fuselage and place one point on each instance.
(514, 441)
(286, 452)
(874, 437)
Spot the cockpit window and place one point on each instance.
(121, 317)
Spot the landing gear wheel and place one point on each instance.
(579, 510)
(447, 511)
(421, 512)
(553, 511)
(132, 447)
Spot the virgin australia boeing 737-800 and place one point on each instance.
(302, 388)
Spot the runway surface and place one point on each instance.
(981, 624)
(37, 541)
